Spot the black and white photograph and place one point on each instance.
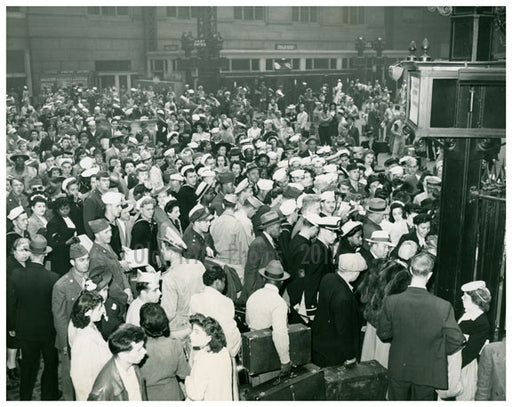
(254, 201)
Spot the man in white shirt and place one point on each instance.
(302, 119)
(267, 309)
(148, 290)
(212, 303)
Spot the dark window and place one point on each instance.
(333, 63)
(184, 13)
(309, 63)
(296, 63)
(352, 15)
(255, 64)
(16, 61)
(108, 11)
(304, 14)
(344, 63)
(269, 64)
(111, 66)
(93, 10)
(240, 64)
(248, 13)
(321, 63)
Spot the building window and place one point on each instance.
(159, 67)
(305, 14)
(321, 63)
(255, 64)
(249, 13)
(332, 63)
(296, 63)
(113, 66)
(244, 65)
(183, 13)
(352, 15)
(107, 11)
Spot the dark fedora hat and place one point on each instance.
(100, 276)
(39, 245)
(274, 271)
(269, 218)
(17, 154)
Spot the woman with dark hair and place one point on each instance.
(37, 221)
(221, 164)
(89, 351)
(61, 233)
(166, 359)
(421, 230)
(396, 224)
(476, 328)
(211, 375)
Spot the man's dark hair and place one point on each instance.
(121, 339)
(154, 320)
(169, 206)
(140, 286)
(212, 274)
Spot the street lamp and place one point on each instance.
(360, 46)
(378, 46)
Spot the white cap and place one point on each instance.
(150, 278)
(90, 172)
(86, 163)
(282, 164)
(294, 160)
(186, 168)
(242, 186)
(288, 207)
(473, 285)
(279, 175)
(306, 161)
(296, 185)
(349, 226)
(272, 155)
(169, 152)
(15, 212)
(206, 172)
(112, 198)
(352, 262)
(176, 177)
(66, 182)
(195, 117)
(193, 144)
(294, 138)
(397, 170)
(331, 168)
(265, 184)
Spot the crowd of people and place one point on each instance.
(147, 230)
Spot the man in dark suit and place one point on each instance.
(375, 211)
(94, 208)
(492, 372)
(262, 250)
(423, 331)
(30, 305)
(353, 131)
(65, 292)
(336, 329)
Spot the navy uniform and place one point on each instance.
(196, 245)
(17, 200)
(94, 208)
(144, 236)
(187, 200)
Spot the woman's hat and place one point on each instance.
(17, 154)
(473, 285)
(169, 235)
(39, 245)
(274, 271)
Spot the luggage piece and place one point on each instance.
(381, 147)
(366, 381)
(259, 354)
(306, 384)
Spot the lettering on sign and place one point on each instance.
(286, 47)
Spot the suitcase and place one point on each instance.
(381, 147)
(259, 354)
(366, 381)
(305, 384)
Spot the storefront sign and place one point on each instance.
(286, 47)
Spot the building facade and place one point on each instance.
(117, 46)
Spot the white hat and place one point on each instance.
(112, 198)
(169, 152)
(297, 173)
(331, 168)
(176, 177)
(282, 164)
(86, 163)
(327, 196)
(294, 160)
(66, 182)
(133, 140)
(318, 161)
(265, 184)
(186, 168)
(294, 138)
(352, 262)
(150, 278)
(349, 226)
(90, 172)
(247, 147)
(397, 170)
(272, 155)
(279, 175)
(331, 223)
(380, 236)
(312, 218)
(288, 207)
(214, 130)
(204, 158)
(206, 173)
(306, 161)
(324, 150)
(193, 144)
(242, 186)
(139, 203)
(473, 285)
(15, 212)
(195, 117)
